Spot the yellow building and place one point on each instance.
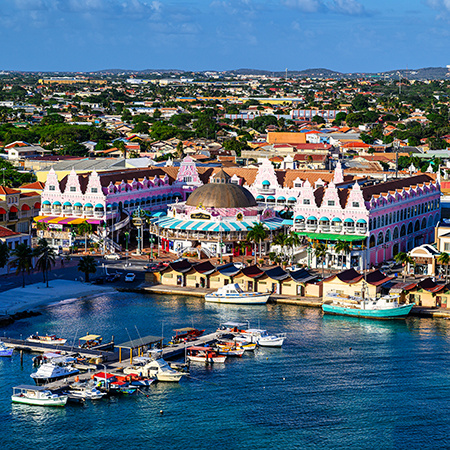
(350, 282)
(276, 137)
(429, 294)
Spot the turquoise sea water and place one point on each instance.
(337, 383)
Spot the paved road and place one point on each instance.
(70, 272)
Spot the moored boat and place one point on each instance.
(154, 368)
(53, 371)
(85, 391)
(5, 351)
(386, 307)
(186, 334)
(232, 293)
(204, 354)
(261, 337)
(37, 395)
(47, 339)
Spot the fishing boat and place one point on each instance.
(186, 334)
(90, 341)
(204, 354)
(54, 370)
(5, 351)
(386, 307)
(229, 350)
(153, 368)
(37, 395)
(47, 339)
(232, 293)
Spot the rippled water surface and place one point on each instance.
(337, 383)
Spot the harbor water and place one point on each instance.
(338, 382)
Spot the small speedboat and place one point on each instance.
(85, 391)
(261, 338)
(47, 339)
(37, 395)
(232, 293)
(5, 351)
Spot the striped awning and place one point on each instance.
(60, 220)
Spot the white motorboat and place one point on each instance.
(5, 351)
(85, 391)
(153, 368)
(261, 337)
(232, 293)
(37, 395)
(47, 339)
(53, 371)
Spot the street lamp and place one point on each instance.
(127, 235)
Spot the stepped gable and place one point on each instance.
(385, 187)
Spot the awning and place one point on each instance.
(288, 222)
(265, 183)
(324, 219)
(46, 202)
(13, 209)
(348, 220)
(332, 237)
(312, 218)
(292, 199)
(260, 197)
(2, 211)
(37, 205)
(67, 204)
(159, 214)
(299, 218)
(78, 204)
(99, 205)
(185, 225)
(270, 197)
(89, 205)
(36, 219)
(281, 199)
(336, 219)
(94, 221)
(56, 203)
(56, 220)
(361, 221)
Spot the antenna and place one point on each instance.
(286, 73)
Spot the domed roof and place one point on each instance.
(221, 195)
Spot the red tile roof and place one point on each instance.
(6, 232)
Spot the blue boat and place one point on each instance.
(386, 307)
(5, 351)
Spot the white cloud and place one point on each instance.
(309, 6)
(351, 7)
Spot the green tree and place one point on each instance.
(180, 152)
(320, 250)
(84, 228)
(4, 254)
(405, 260)
(23, 259)
(256, 234)
(318, 119)
(46, 258)
(343, 247)
(282, 240)
(87, 266)
(360, 103)
(293, 240)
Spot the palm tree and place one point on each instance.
(84, 228)
(46, 258)
(444, 258)
(4, 254)
(281, 240)
(404, 259)
(293, 240)
(87, 265)
(256, 233)
(242, 246)
(23, 259)
(320, 250)
(41, 226)
(344, 247)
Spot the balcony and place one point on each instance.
(349, 229)
(56, 211)
(361, 230)
(77, 211)
(336, 228)
(324, 228)
(46, 210)
(268, 191)
(311, 226)
(99, 214)
(89, 213)
(67, 211)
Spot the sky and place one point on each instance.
(341, 35)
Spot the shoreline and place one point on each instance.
(37, 295)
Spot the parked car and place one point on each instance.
(129, 277)
(112, 256)
(113, 277)
(99, 280)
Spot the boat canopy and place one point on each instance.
(90, 337)
(185, 330)
(233, 324)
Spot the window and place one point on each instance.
(447, 247)
(306, 201)
(355, 204)
(187, 179)
(330, 202)
(94, 190)
(51, 188)
(72, 189)
(298, 185)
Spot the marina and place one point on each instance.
(325, 377)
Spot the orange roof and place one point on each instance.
(36, 185)
(4, 190)
(6, 232)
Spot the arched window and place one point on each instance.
(387, 238)
(424, 223)
(403, 231)
(372, 241)
(430, 221)
(395, 233)
(370, 224)
(417, 226)
(382, 221)
(410, 228)
(401, 214)
(390, 218)
(380, 239)
(378, 222)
